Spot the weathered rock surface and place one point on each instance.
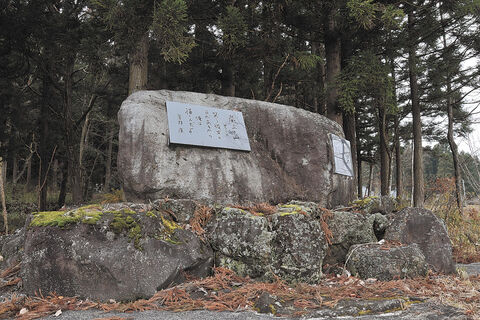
(11, 247)
(290, 243)
(287, 161)
(298, 247)
(242, 241)
(373, 261)
(421, 226)
(181, 209)
(471, 269)
(121, 254)
(382, 204)
(349, 228)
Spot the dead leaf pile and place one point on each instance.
(225, 291)
(258, 209)
(201, 216)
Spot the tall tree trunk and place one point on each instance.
(418, 186)
(55, 174)
(228, 79)
(333, 60)
(450, 137)
(83, 139)
(63, 185)
(2, 195)
(319, 90)
(454, 149)
(350, 134)
(267, 78)
(359, 176)
(44, 145)
(349, 117)
(384, 155)
(359, 160)
(14, 169)
(138, 74)
(108, 161)
(370, 178)
(398, 162)
(4, 171)
(70, 137)
(29, 174)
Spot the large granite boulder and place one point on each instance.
(291, 155)
(11, 247)
(289, 243)
(386, 263)
(421, 226)
(109, 253)
(350, 228)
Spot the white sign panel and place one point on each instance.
(342, 156)
(205, 126)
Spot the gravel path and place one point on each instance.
(419, 311)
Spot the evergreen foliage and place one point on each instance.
(65, 68)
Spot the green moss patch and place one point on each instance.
(168, 233)
(88, 214)
(127, 221)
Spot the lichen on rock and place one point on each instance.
(348, 228)
(384, 263)
(298, 248)
(129, 253)
(289, 243)
(241, 236)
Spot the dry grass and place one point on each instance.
(463, 228)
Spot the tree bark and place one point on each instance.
(359, 160)
(70, 136)
(63, 185)
(55, 174)
(370, 178)
(350, 134)
(333, 61)
(228, 79)
(44, 147)
(138, 73)
(450, 137)
(359, 177)
(398, 162)
(108, 161)
(14, 169)
(418, 183)
(384, 153)
(398, 155)
(2, 194)
(29, 173)
(83, 139)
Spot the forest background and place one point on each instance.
(401, 77)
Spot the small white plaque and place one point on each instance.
(342, 156)
(206, 126)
